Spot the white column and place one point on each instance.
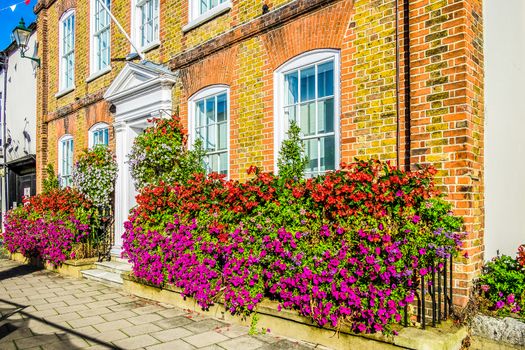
(121, 186)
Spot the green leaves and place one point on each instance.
(292, 158)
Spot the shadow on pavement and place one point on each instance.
(18, 271)
(57, 340)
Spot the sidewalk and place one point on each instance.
(65, 313)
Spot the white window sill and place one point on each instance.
(98, 74)
(64, 92)
(205, 17)
(150, 46)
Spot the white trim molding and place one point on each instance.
(137, 6)
(195, 19)
(67, 19)
(91, 132)
(307, 60)
(61, 160)
(201, 96)
(97, 35)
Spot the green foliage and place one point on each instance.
(51, 181)
(292, 158)
(160, 154)
(502, 287)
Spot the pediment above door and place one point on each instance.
(140, 89)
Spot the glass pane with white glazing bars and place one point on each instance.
(211, 126)
(101, 35)
(309, 101)
(149, 21)
(68, 51)
(67, 162)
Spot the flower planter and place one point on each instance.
(504, 331)
(70, 268)
(290, 324)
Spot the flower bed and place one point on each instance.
(502, 286)
(342, 248)
(53, 226)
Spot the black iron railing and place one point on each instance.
(433, 299)
(105, 234)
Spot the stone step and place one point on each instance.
(108, 278)
(119, 259)
(113, 266)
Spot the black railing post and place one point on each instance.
(450, 290)
(439, 294)
(423, 311)
(433, 295)
(445, 308)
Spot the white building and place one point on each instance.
(504, 126)
(18, 111)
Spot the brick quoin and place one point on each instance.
(440, 82)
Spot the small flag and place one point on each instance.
(13, 7)
(27, 2)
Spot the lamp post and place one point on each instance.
(21, 34)
(4, 59)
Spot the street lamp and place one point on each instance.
(21, 34)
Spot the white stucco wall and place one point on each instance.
(21, 101)
(504, 126)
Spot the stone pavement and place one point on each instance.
(66, 313)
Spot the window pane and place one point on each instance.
(289, 114)
(307, 84)
(308, 118)
(204, 6)
(223, 169)
(326, 115)
(211, 137)
(201, 116)
(223, 136)
(214, 166)
(221, 108)
(210, 110)
(325, 79)
(312, 153)
(328, 153)
(291, 88)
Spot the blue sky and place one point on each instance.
(9, 19)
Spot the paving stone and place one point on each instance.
(112, 335)
(171, 334)
(172, 345)
(245, 343)
(64, 317)
(111, 325)
(141, 329)
(205, 339)
(205, 325)
(93, 320)
(9, 345)
(174, 322)
(48, 306)
(94, 312)
(68, 309)
(100, 303)
(148, 309)
(147, 318)
(232, 331)
(173, 312)
(118, 315)
(136, 342)
(285, 344)
(42, 339)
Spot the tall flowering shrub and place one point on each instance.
(161, 153)
(51, 225)
(95, 174)
(344, 248)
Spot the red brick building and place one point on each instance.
(360, 81)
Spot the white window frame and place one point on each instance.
(202, 94)
(96, 71)
(63, 88)
(281, 123)
(93, 130)
(196, 18)
(136, 20)
(61, 155)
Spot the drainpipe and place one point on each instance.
(407, 92)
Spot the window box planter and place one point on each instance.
(70, 268)
(290, 324)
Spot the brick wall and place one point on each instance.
(441, 104)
